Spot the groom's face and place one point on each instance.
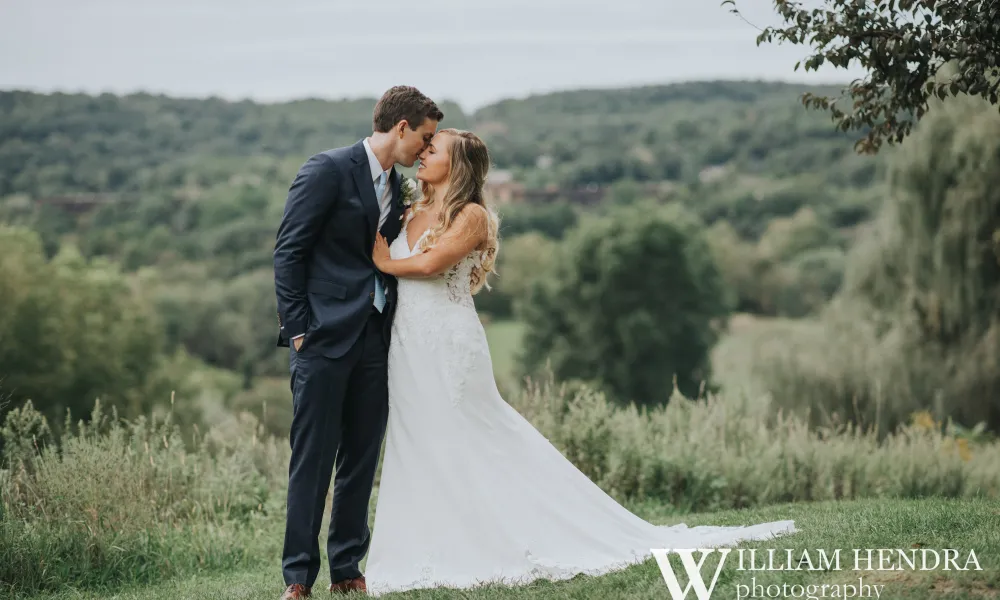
(413, 142)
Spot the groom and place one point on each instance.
(335, 311)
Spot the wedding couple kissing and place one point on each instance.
(375, 282)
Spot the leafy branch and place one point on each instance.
(911, 50)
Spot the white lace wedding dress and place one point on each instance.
(470, 491)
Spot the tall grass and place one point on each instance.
(737, 451)
(117, 502)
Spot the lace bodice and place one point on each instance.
(455, 285)
(438, 311)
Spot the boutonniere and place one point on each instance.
(407, 191)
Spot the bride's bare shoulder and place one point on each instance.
(474, 220)
(472, 216)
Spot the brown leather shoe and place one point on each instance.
(357, 584)
(296, 591)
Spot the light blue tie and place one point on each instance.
(379, 290)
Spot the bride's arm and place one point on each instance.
(467, 232)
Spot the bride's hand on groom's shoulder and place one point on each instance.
(380, 254)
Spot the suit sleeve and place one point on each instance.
(310, 199)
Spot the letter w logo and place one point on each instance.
(693, 569)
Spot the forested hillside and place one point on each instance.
(60, 143)
(179, 200)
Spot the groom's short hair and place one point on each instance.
(404, 102)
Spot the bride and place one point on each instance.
(470, 491)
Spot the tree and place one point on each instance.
(551, 219)
(903, 45)
(521, 259)
(71, 332)
(629, 301)
(916, 326)
(793, 270)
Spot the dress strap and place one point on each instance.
(409, 214)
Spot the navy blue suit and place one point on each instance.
(325, 285)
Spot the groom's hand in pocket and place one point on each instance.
(298, 342)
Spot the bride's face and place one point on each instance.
(435, 160)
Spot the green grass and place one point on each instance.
(504, 338)
(931, 523)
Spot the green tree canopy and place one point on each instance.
(71, 332)
(902, 45)
(916, 326)
(630, 301)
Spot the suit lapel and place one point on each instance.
(366, 187)
(390, 229)
(397, 180)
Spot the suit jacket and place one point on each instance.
(324, 277)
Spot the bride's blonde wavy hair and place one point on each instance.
(470, 163)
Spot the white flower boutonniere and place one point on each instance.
(407, 192)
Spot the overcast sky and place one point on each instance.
(471, 51)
